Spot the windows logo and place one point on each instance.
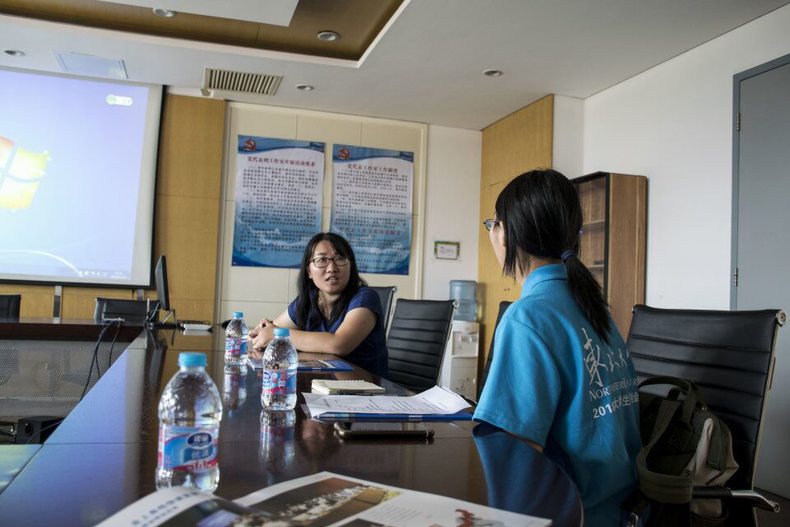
(20, 173)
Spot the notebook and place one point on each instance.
(349, 387)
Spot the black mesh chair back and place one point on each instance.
(728, 354)
(131, 311)
(386, 294)
(9, 306)
(416, 342)
(502, 308)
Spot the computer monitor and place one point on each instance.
(160, 274)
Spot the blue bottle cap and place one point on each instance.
(282, 332)
(191, 358)
(238, 314)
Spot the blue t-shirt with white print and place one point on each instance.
(555, 382)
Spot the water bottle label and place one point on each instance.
(279, 382)
(234, 346)
(187, 448)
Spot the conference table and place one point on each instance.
(103, 456)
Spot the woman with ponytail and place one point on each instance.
(561, 378)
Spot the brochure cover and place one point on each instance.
(319, 500)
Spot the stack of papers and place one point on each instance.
(436, 404)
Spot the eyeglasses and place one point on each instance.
(323, 261)
(489, 224)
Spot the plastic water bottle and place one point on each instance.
(279, 373)
(189, 414)
(236, 340)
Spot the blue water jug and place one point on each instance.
(465, 292)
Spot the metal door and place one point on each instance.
(761, 236)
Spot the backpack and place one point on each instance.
(685, 445)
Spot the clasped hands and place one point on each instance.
(259, 337)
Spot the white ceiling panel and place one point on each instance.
(428, 66)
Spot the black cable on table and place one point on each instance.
(94, 358)
(115, 337)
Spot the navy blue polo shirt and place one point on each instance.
(371, 354)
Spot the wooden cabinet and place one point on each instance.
(613, 238)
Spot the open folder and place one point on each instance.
(436, 404)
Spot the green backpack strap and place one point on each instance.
(688, 388)
(668, 488)
(664, 488)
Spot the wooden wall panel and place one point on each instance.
(79, 302)
(37, 300)
(520, 142)
(187, 232)
(188, 201)
(190, 147)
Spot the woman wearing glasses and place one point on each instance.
(335, 312)
(561, 378)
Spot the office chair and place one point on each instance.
(386, 294)
(131, 311)
(502, 308)
(730, 356)
(416, 341)
(9, 306)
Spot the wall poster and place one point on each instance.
(372, 206)
(279, 193)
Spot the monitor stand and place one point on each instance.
(164, 324)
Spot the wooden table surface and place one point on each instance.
(103, 456)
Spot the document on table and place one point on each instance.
(437, 400)
(323, 499)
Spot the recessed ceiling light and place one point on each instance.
(304, 87)
(328, 36)
(493, 73)
(14, 52)
(164, 13)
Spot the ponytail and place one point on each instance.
(587, 292)
(542, 217)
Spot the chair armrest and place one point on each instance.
(723, 493)
(635, 506)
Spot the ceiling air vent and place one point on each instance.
(239, 81)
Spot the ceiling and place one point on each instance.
(426, 63)
(295, 31)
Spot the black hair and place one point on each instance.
(307, 299)
(542, 217)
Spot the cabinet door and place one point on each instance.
(592, 251)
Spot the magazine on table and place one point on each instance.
(318, 500)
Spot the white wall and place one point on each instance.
(568, 142)
(448, 202)
(673, 124)
(452, 206)
(266, 292)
